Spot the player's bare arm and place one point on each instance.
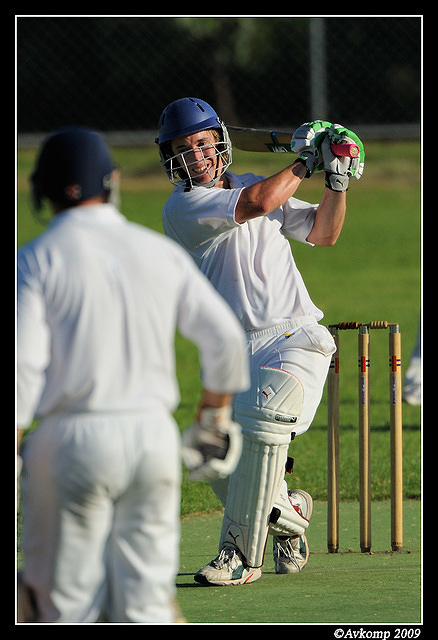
(329, 219)
(266, 195)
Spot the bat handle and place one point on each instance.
(345, 149)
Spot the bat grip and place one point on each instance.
(345, 149)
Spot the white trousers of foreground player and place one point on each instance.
(69, 500)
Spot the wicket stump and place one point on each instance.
(395, 397)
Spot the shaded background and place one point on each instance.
(116, 74)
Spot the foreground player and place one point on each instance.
(99, 300)
(236, 228)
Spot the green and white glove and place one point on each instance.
(339, 169)
(306, 142)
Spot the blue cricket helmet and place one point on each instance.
(184, 117)
(73, 165)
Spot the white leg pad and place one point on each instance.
(285, 519)
(267, 414)
(251, 493)
(275, 397)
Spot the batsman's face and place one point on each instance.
(198, 155)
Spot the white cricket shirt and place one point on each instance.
(98, 302)
(250, 264)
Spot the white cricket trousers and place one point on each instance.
(302, 347)
(101, 505)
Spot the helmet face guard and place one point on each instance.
(178, 167)
(185, 117)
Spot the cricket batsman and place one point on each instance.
(237, 230)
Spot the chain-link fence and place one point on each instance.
(118, 73)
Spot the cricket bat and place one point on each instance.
(278, 142)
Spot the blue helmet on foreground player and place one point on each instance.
(74, 165)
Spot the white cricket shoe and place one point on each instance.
(227, 569)
(291, 554)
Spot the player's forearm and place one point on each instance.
(19, 437)
(213, 399)
(19, 460)
(270, 193)
(329, 219)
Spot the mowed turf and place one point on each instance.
(372, 273)
(344, 588)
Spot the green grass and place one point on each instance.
(372, 273)
(344, 588)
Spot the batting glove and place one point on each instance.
(212, 445)
(339, 170)
(306, 142)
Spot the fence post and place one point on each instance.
(318, 75)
